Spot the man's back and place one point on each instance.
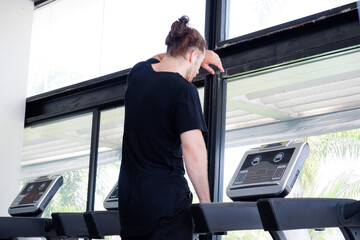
(159, 106)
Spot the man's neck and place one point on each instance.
(172, 64)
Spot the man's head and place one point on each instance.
(184, 41)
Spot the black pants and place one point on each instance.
(175, 224)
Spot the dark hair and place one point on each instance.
(182, 37)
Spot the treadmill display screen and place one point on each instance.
(264, 167)
(33, 192)
(114, 194)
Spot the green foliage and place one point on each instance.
(106, 177)
(330, 171)
(72, 195)
(248, 235)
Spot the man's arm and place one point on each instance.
(195, 158)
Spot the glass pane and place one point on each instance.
(139, 32)
(192, 189)
(292, 100)
(251, 235)
(109, 157)
(247, 16)
(65, 44)
(312, 98)
(232, 158)
(330, 171)
(72, 195)
(60, 147)
(77, 40)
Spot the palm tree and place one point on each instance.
(72, 195)
(331, 170)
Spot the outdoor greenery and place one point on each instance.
(72, 195)
(107, 176)
(330, 171)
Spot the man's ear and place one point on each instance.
(193, 56)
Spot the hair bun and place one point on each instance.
(182, 37)
(184, 20)
(179, 28)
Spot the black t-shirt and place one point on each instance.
(159, 106)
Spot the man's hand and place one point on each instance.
(212, 58)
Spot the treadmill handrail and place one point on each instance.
(222, 217)
(11, 227)
(305, 213)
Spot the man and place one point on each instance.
(164, 129)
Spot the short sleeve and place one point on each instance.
(152, 60)
(188, 112)
(139, 65)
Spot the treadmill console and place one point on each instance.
(268, 171)
(35, 196)
(111, 201)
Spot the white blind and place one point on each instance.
(310, 97)
(64, 145)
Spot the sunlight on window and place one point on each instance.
(77, 40)
(247, 16)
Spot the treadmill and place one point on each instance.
(264, 176)
(27, 209)
(270, 170)
(104, 223)
(90, 224)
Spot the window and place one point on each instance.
(313, 99)
(247, 16)
(63, 147)
(109, 155)
(77, 40)
(60, 147)
(307, 97)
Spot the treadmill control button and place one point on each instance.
(279, 172)
(241, 177)
(42, 186)
(256, 160)
(30, 188)
(279, 156)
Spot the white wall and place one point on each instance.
(15, 35)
